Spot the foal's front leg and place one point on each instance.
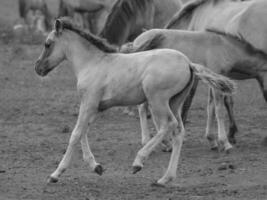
(87, 115)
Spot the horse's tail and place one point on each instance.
(150, 44)
(22, 7)
(216, 81)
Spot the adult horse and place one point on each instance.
(31, 10)
(222, 53)
(128, 18)
(245, 20)
(105, 78)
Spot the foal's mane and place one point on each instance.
(249, 48)
(188, 9)
(122, 12)
(100, 43)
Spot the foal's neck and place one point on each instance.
(81, 54)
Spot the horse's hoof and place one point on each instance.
(215, 148)
(228, 151)
(51, 179)
(136, 169)
(232, 140)
(99, 170)
(156, 184)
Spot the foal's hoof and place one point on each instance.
(51, 179)
(136, 169)
(99, 170)
(215, 148)
(156, 184)
(232, 140)
(228, 151)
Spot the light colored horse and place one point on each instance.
(105, 78)
(245, 20)
(222, 53)
(127, 19)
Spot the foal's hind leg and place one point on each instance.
(177, 138)
(222, 137)
(145, 133)
(210, 121)
(164, 121)
(229, 105)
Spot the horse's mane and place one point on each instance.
(249, 48)
(187, 10)
(120, 14)
(100, 43)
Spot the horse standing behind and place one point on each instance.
(90, 14)
(245, 20)
(128, 18)
(35, 14)
(222, 53)
(105, 78)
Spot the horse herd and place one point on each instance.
(171, 46)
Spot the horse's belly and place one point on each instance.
(123, 97)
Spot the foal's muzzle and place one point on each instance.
(41, 68)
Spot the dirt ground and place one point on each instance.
(37, 116)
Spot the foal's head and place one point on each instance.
(53, 51)
(58, 40)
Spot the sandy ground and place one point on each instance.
(37, 116)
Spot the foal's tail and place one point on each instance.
(216, 81)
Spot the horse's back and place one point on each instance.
(252, 25)
(246, 20)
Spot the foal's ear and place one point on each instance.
(58, 26)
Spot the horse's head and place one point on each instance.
(53, 51)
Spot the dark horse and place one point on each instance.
(128, 18)
(25, 6)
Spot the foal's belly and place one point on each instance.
(133, 96)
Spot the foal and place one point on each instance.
(222, 53)
(163, 78)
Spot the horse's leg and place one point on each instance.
(262, 80)
(142, 110)
(222, 137)
(188, 101)
(229, 105)
(86, 115)
(164, 122)
(177, 138)
(88, 155)
(146, 135)
(210, 121)
(177, 141)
